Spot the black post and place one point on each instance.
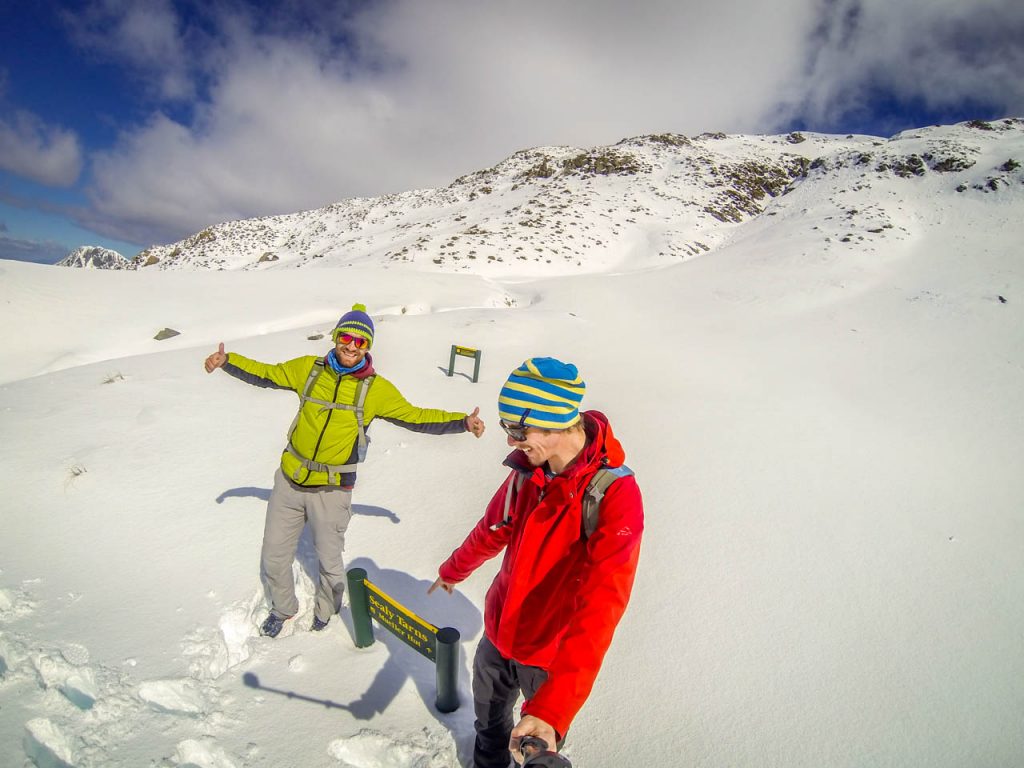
(360, 605)
(447, 664)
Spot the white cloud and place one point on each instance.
(148, 37)
(44, 153)
(421, 93)
(936, 53)
(302, 106)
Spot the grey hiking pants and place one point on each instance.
(328, 511)
(497, 682)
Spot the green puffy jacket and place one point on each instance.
(322, 435)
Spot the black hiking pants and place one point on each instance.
(497, 682)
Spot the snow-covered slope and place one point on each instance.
(645, 202)
(824, 414)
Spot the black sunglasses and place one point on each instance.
(516, 431)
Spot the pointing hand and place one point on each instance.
(439, 582)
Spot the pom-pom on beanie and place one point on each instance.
(356, 323)
(543, 392)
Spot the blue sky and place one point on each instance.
(125, 124)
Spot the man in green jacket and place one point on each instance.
(339, 395)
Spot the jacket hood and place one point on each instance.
(611, 451)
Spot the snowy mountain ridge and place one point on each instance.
(95, 257)
(645, 202)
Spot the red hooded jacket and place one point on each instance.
(558, 596)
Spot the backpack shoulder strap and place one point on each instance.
(511, 492)
(314, 372)
(596, 489)
(362, 388)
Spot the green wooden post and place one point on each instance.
(476, 366)
(447, 664)
(360, 606)
(451, 361)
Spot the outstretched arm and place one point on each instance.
(287, 375)
(386, 402)
(487, 539)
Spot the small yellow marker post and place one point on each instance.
(458, 351)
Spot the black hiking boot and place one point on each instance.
(272, 626)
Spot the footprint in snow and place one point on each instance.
(178, 697)
(373, 749)
(195, 753)
(76, 654)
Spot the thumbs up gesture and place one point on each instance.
(474, 423)
(216, 360)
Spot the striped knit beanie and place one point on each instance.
(543, 392)
(356, 323)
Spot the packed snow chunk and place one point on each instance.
(5, 657)
(14, 604)
(51, 669)
(236, 629)
(197, 754)
(80, 688)
(12, 655)
(212, 652)
(174, 696)
(46, 745)
(372, 749)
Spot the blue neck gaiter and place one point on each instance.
(338, 368)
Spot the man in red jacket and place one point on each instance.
(550, 614)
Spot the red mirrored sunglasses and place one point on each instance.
(348, 338)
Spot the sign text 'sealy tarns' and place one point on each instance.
(418, 634)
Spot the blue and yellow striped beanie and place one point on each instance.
(356, 323)
(543, 392)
